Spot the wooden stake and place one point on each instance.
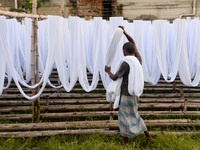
(34, 52)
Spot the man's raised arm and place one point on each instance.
(130, 39)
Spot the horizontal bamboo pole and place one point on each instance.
(155, 89)
(55, 107)
(57, 95)
(53, 102)
(147, 87)
(100, 95)
(85, 131)
(53, 133)
(21, 15)
(173, 132)
(103, 114)
(90, 124)
(95, 106)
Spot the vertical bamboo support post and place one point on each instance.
(185, 111)
(34, 62)
(181, 93)
(16, 6)
(67, 15)
(111, 109)
(174, 86)
(181, 96)
(33, 56)
(62, 8)
(47, 102)
(185, 106)
(37, 72)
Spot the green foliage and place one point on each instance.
(17, 10)
(27, 4)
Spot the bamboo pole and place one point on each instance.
(21, 15)
(102, 114)
(174, 86)
(59, 132)
(34, 60)
(86, 131)
(16, 6)
(62, 8)
(89, 124)
(111, 109)
(37, 101)
(181, 93)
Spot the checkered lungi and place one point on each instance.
(130, 122)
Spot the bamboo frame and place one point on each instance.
(21, 15)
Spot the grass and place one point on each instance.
(101, 142)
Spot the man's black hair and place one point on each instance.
(129, 47)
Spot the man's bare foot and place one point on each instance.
(148, 135)
(125, 139)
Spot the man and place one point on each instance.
(130, 122)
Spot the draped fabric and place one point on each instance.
(74, 46)
(135, 81)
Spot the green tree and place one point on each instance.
(27, 4)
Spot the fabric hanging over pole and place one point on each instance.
(74, 46)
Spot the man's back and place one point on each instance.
(124, 71)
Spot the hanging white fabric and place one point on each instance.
(74, 45)
(135, 84)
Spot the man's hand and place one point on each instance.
(107, 69)
(122, 27)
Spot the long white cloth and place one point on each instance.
(135, 81)
(75, 45)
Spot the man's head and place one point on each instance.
(128, 48)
